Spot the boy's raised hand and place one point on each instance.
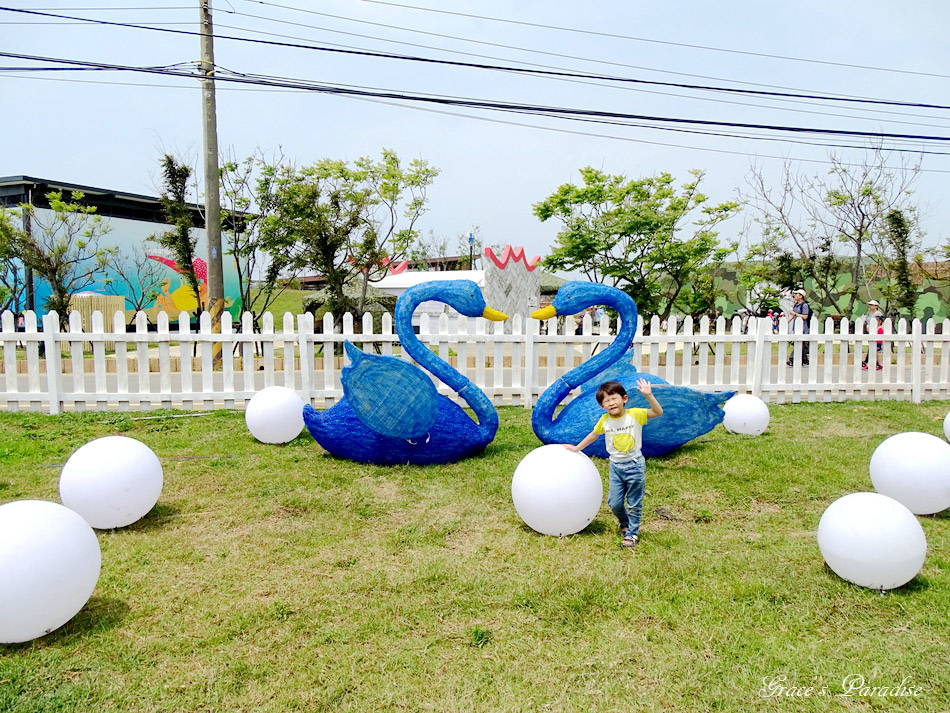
(644, 387)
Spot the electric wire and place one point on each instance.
(483, 42)
(717, 100)
(517, 70)
(639, 39)
(493, 120)
(505, 106)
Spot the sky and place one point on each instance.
(109, 129)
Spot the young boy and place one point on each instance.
(623, 431)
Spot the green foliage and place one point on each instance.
(11, 273)
(249, 202)
(633, 234)
(346, 222)
(62, 249)
(815, 227)
(899, 291)
(313, 222)
(181, 240)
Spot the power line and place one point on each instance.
(493, 120)
(597, 83)
(516, 70)
(483, 42)
(558, 112)
(640, 39)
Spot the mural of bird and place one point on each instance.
(391, 412)
(184, 298)
(687, 413)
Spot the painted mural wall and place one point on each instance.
(174, 295)
(933, 298)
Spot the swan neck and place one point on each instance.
(425, 357)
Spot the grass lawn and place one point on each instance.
(276, 578)
(288, 301)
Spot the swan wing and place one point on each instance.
(392, 397)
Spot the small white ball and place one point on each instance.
(49, 566)
(112, 481)
(556, 491)
(746, 414)
(872, 540)
(914, 469)
(275, 415)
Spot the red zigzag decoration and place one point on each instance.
(514, 254)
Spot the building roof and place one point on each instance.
(17, 190)
(407, 279)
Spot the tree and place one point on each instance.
(347, 223)
(137, 278)
(632, 233)
(313, 223)
(265, 264)
(825, 225)
(12, 282)
(899, 291)
(181, 240)
(394, 198)
(62, 248)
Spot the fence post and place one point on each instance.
(54, 365)
(915, 389)
(529, 377)
(758, 356)
(305, 343)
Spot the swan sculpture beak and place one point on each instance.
(544, 313)
(494, 315)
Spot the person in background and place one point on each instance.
(800, 310)
(875, 323)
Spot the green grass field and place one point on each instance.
(276, 578)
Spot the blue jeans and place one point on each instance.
(625, 497)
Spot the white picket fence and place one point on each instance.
(45, 369)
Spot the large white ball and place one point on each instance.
(914, 469)
(275, 415)
(556, 491)
(49, 565)
(746, 414)
(112, 481)
(872, 540)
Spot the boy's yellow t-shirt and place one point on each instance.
(623, 435)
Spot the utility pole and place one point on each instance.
(212, 201)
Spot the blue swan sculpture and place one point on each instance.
(687, 413)
(391, 413)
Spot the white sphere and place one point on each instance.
(872, 540)
(275, 415)
(746, 414)
(914, 469)
(49, 565)
(112, 481)
(556, 491)
(946, 426)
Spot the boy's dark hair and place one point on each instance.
(608, 388)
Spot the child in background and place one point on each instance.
(622, 429)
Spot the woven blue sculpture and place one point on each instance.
(687, 413)
(391, 412)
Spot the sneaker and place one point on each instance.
(630, 540)
(864, 367)
(880, 367)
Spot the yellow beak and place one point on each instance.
(545, 313)
(494, 315)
